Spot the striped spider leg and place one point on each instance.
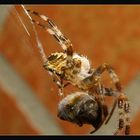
(124, 118)
(64, 42)
(121, 99)
(53, 30)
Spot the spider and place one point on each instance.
(68, 67)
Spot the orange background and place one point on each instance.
(108, 34)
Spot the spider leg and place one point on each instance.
(102, 102)
(65, 85)
(59, 83)
(124, 119)
(103, 107)
(110, 92)
(116, 81)
(52, 29)
(61, 87)
(121, 114)
(105, 67)
(127, 117)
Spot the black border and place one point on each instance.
(69, 1)
(69, 137)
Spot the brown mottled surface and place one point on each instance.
(108, 34)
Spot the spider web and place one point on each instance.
(39, 44)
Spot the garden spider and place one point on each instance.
(73, 68)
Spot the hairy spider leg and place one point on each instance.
(124, 119)
(59, 82)
(127, 117)
(116, 81)
(103, 106)
(52, 29)
(64, 42)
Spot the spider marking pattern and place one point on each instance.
(68, 67)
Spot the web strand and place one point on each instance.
(39, 44)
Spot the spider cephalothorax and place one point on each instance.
(87, 106)
(74, 72)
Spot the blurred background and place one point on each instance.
(28, 96)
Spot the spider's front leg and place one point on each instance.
(53, 30)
